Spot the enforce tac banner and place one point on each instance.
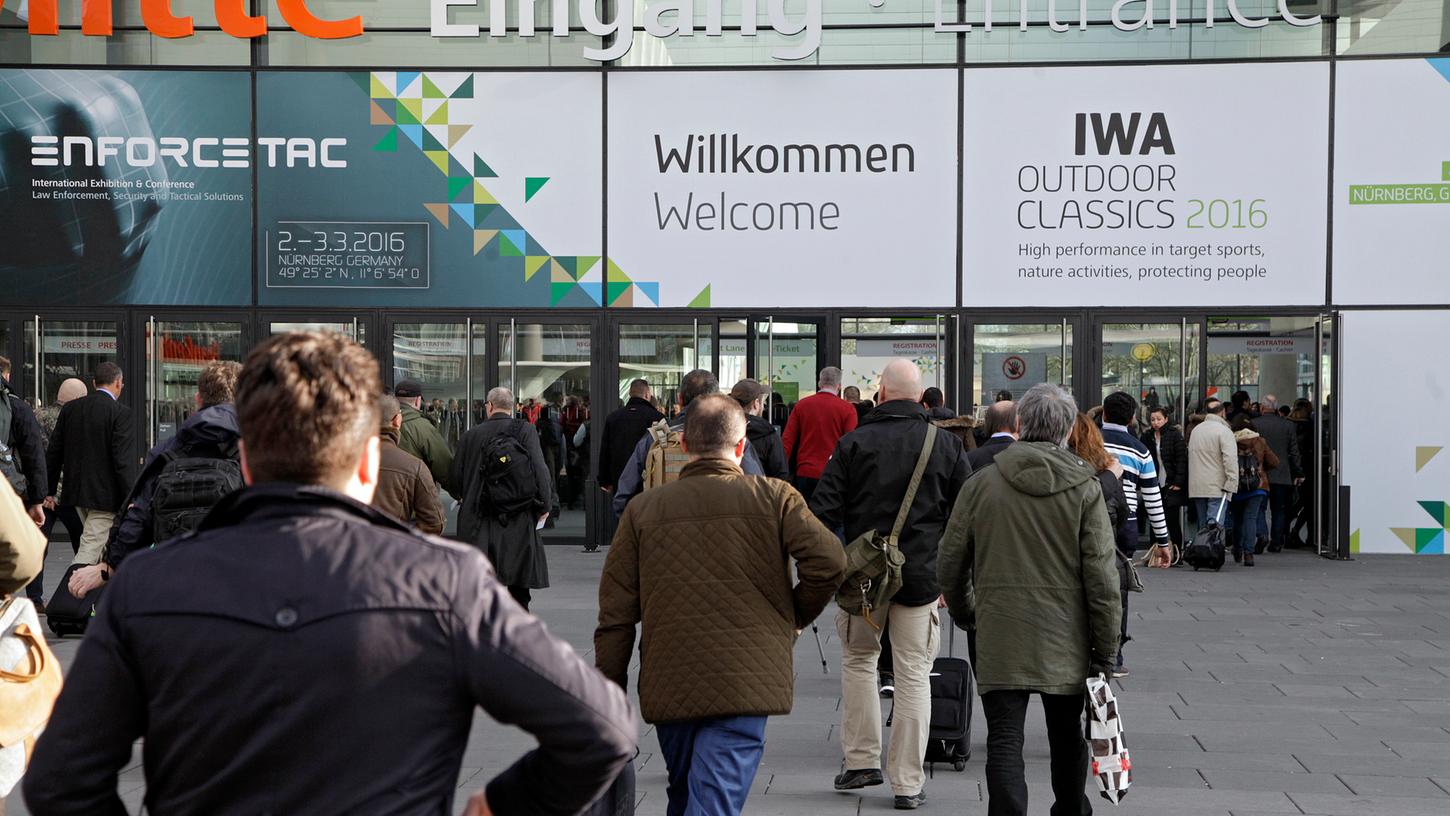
(1392, 181)
(1132, 186)
(800, 188)
(432, 189)
(125, 187)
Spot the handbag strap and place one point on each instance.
(921, 460)
(22, 632)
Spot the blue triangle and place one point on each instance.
(414, 134)
(405, 78)
(516, 237)
(1442, 65)
(465, 211)
(650, 290)
(595, 291)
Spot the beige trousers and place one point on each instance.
(915, 637)
(95, 530)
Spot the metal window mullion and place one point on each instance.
(36, 353)
(154, 375)
(468, 373)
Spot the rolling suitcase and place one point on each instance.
(952, 689)
(1207, 551)
(66, 614)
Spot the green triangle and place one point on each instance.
(615, 274)
(532, 185)
(586, 263)
(430, 91)
(1437, 511)
(558, 291)
(430, 142)
(415, 107)
(464, 91)
(613, 290)
(362, 79)
(406, 115)
(481, 168)
(440, 116)
(389, 142)
(378, 90)
(702, 300)
(1354, 543)
(1425, 535)
(532, 264)
(570, 264)
(506, 248)
(457, 185)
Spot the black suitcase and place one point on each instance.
(66, 614)
(953, 688)
(1207, 550)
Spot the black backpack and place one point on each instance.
(1249, 472)
(506, 476)
(9, 468)
(191, 483)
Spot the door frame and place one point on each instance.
(1074, 319)
(140, 335)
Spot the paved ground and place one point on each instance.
(1300, 686)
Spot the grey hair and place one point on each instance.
(1046, 414)
(830, 377)
(501, 398)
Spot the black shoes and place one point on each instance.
(855, 780)
(911, 802)
(1248, 559)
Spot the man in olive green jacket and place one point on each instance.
(1027, 559)
(419, 437)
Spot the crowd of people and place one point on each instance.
(302, 601)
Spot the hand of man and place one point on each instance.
(941, 602)
(1299, 481)
(1161, 557)
(85, 579)
(477, 806)
(49, 503)
(37, 514)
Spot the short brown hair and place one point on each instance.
(217, 384)
(1087, 442)
(713, 425)
(4, 366)
(307, 405)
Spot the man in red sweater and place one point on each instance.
(816, 424)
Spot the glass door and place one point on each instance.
(786, 362)
(176, 351)
(1009, 356)
(435, 353)
(661, 354)
(57, 350)
(1329, 536)
(1156, 363)
(869, 343)
(356, 326)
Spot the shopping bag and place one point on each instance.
(30, 681)
(1111, 763)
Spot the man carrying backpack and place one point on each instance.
(659, 456)
(506, 493)
(183, 478)
(22, 448)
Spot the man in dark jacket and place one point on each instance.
(764, 437)
(305, 653)
(622, 431)
(861, 490)
(1283, 439)
(1028, 558)
(509, 539)
(1000, 426)
(728, 585)
(92, 446)
(935, 403)
(211, 431)
(23, 442)
(420, 437)
(405, 487)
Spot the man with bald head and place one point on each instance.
(1000, 426)
(862, 489)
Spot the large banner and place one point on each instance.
(1175, 185)
(1392, 182)
(799, 188)
(125, 187)
(431, 189)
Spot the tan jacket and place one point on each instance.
(405, 486)
(22, 547)
(1213, 460)
(705, 564)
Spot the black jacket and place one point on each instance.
(27, 443)
(1282, 435)
(863, 484)
(987, 453)
(305, 653)
(622, 431)
(211, 431)
(1116, 501)
(1174, 457)
(92, 447)
(765, 438)
(511, 542)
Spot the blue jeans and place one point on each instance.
(1246, 514)
(1207, 510)
(711, 763)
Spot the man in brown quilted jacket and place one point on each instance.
(705, 564)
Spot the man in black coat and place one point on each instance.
(303, 652)
(92, 446)
(622, 431)
(24, 441)
(1283, 439)
(1000, 428)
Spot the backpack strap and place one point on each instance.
(916, 476)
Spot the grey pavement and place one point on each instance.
(1300, 686)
